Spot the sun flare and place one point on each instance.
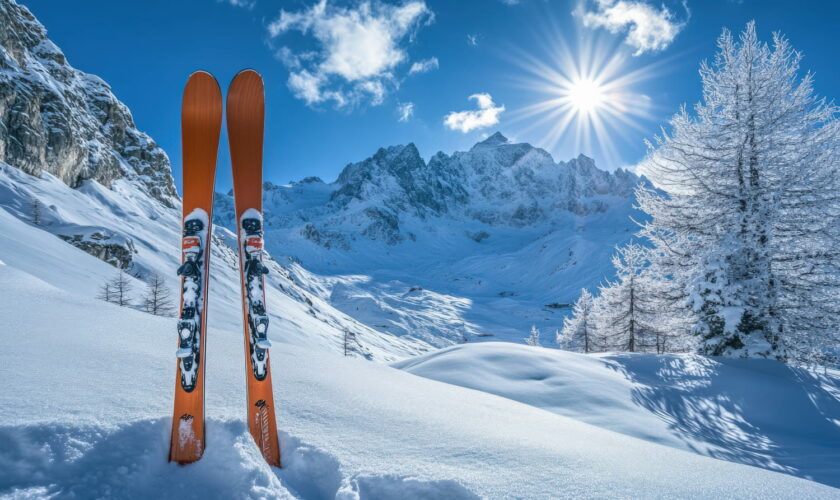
(586, 96)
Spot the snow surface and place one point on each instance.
(752, 411)
(87, 392)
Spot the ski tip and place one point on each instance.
(247, 77)
(202, 76)
(246, 89)
(248, 71)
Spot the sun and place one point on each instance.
(586, 96)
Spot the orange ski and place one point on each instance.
(245, 116)
(201, 122)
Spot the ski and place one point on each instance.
(245, 116)
(201, 121)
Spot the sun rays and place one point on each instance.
(585, 98)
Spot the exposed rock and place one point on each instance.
(57, 119)
(105, 246)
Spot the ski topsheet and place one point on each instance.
(201, 121)
(245, 116)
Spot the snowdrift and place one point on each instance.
(751, 411)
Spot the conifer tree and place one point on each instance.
(747, 209)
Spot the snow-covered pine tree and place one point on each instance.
(750, 208)
(578, 333)
(533, 339)
(158, 298)
(625, 314)
(672, 320)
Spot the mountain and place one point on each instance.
(474, 245)
(497, 183)
(84, 194)
(57, 119)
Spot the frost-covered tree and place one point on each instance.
(158, 298)
(578, 333)
(625, 315)
(534, 338)
(748, 204)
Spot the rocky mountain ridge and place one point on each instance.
(495, 183)
(57, 119)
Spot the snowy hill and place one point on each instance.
(752, 411)
(352, 429)
(477, 244)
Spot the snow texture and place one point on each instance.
(716, 407)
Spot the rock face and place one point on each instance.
(104, 245)
(388, 196)
(57, 119)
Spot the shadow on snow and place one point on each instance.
(721, 408)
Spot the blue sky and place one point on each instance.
(335, 93)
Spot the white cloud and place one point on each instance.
(647, 28)
(405, 110)
(472, 40)
(357, 50)
(486, 115)
(424, 66)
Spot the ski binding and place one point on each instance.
(254, 270)
(193, 247)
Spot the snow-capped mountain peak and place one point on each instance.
(415, 247)
(496, 182)
(493, 140)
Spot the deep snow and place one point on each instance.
(87, 394)
(752, 411)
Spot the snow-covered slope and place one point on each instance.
(148, 231)
(86, 399)
(752, 411)
(473, 245)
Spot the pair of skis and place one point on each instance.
(201, 119)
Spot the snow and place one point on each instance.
(753, 411)
(250, 213)
(93, 418)
(198, 214)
